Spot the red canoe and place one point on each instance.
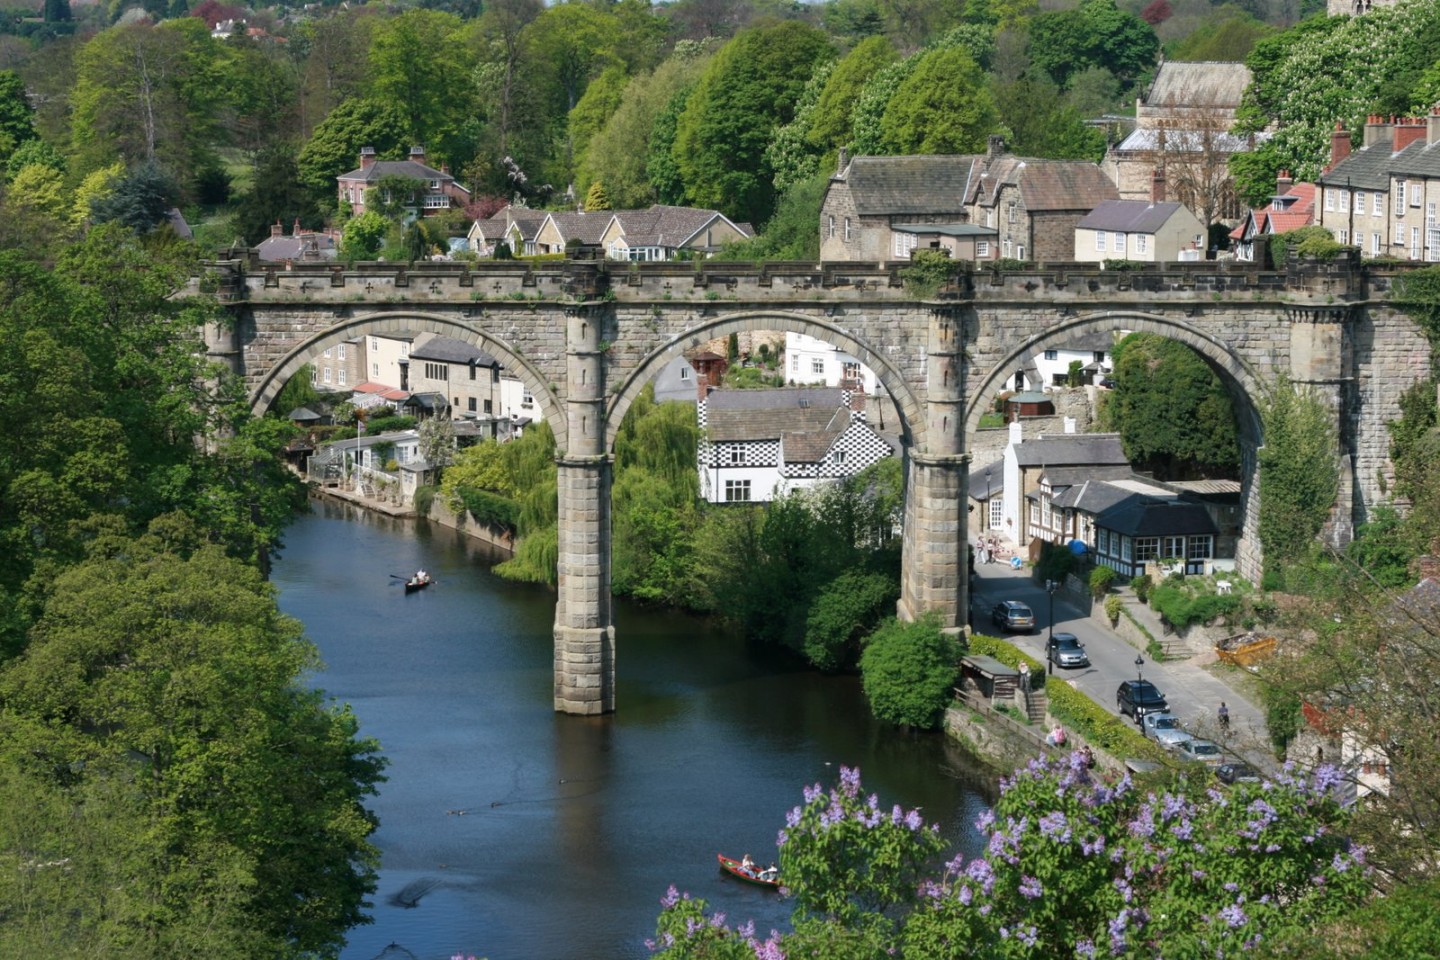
(733, 868)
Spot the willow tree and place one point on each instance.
(1299, 472)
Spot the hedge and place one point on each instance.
(1181, 609)
(490, 509)
(1098, 726)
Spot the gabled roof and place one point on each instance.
(582, 227)
(1130, 216)
(1069, 476)
(1070, 449)
(1049, 185)
(304, 246)
(737, 415)
(1098, 494)
(1367, 168)
(987, 481)
(929, 184)
(1147, 140)
(450, 350)
(1299, 212)
(1202, 85)
(1157, 518)
(661, 225)
(808, 446)
(413, 169)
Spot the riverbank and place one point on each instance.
(439, 513)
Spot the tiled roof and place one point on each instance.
(1130, 216)
(661, 225)
(412, 169)
(584, 227)
(735, 415)
(450, 350)
(1070, 476)
(1157, 518)
(1147, 140)
(1420, 159)
(1063, 185)
(1212, 85)
(1096, 495)
(306, 246)
(1071, 449)
(808, 446)
(1367, 168)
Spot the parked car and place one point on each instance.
(1205, 751)
(1164, 729)
(1014, 616)
(1108, 383)
(1237, 773)
(1139, 697)
(1066, 650)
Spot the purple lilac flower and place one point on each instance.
(812, 793)
(1085, 949)
(1144, 824)
(1171, 806)
(1234, 916)
(1093, 846)
(965, 895)
(1341, 863)
(1055, 826)
(1127, 893)
(782, 838)
(981, 872)
(1028, 936)
(1030, 888)
(1117, 932)
(1183, 830)
(692, 926)
(770, 949)
(913, 820)
(746, 929)
(850, 780)
(792, 819)
(985, 821)
(672, 897)
(1198, 874)
(718, 920)
(1232, 887)
(1327, 778)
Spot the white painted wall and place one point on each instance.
(812, 361)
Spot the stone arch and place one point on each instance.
(411, 322)
(1233, 370)
(1245, 385)
(912, 414)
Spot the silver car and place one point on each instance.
(1205, 751)
(1066, 650)
(1164, 729)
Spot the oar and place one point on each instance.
(400, 578)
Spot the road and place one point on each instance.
(1194, 694)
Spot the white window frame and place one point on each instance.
(847, 230)
(1120, 243)
(737, 491)
(1374, 244)
(904, 243)
(1344, 198)
(982, 248)
(817, 366)
(1432, 244)
(1377, 204)
(1343, 236)
(327, 375)
(340, 377)
(1142, 243)
(832, 226)
(1100, 241)
(1360, 201)
(1399, 198)
(1417, 193)
(1414, 243)
(737, 454)
(1329, 198)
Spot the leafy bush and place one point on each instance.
(1141, 586)
(1056, 562)
(846, 609)
(1100, 728)
(424, 497)
(489, 509)
(909, 671)
(1113, 606)
(1100, 580)
(929, 270)
(1181, 609)
(391, 424)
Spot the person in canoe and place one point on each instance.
(771, 873)
(748, 865)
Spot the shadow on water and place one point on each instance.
(514, 833)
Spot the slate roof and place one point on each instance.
(1130, 216)
(1157, 518)
(1096, 495)
(413, 169)
(987, 481)
(1069, 476)
(303, 415)
(1208, 84)
(450, 350)
(1419, 159)
(737, 415)
(947, 229)
(1071, 449)
(1051, 185)
(1089, 343)
(927, 184)
(1147, 139)
(306, 246)
(1367, 168)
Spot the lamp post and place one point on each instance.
(1139, 662)
(1139, 678)
(1050, 588)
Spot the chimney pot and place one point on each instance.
(843, 161)
(367, 157)
(277, 229)
(996, 145)
(1157, 185)
(1407, 131)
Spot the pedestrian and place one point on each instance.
(1223, 714)
(1024, 675)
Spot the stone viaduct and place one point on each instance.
(586, 336)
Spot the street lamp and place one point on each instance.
(1050, 588)
(1139, 662)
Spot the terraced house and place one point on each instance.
(1384, 196)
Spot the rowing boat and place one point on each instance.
(735, 870)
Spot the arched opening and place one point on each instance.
(390, 324)
(1232, 507)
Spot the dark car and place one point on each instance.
(1237, 773)
(1013, 615)
(1066, 650)
(1108, 383)
(1139, 697)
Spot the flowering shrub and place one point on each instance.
(1073, 867)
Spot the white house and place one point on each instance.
(815, 362)
(1093, 352)
(385, 355)
(1143, 230)
(759, 444)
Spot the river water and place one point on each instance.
(513, 833)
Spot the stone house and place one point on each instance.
(1182, 137)
(438, 193)
(300, 245)
(340, 367)
(560, 231)
(1145, 231)
(518, 227)
(760, 444)
(985, 206)
(1026, 464)
(1291, 207)
(1383, 197)
(467, 377)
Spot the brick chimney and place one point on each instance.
(417, 153)
(1283, 183)
(1339, 144)
(367, 158)
(1157, 185)
(277, 229)
(1407, 131)
(995, 146)
(842, 161)
(1377, 129)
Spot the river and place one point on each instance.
(513, 833)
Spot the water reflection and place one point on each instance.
(511, 832)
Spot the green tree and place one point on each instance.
(1043, 124)
(335, 147)
(845, 610)
(1172, 412)
(909, 672)
(566, 47)
(412, 57)
(1097, 33)
(746, 91)
(662, 163)
(140, 200)
(791, 233)
(276, 195)
(364, 235)
(1228, 33)
(35, 152)
(17, 117)
(790, 154)
(250, 788)
(530, 462)
(594, 109)
(830, 123)
(1299, 473)
(944, 106)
